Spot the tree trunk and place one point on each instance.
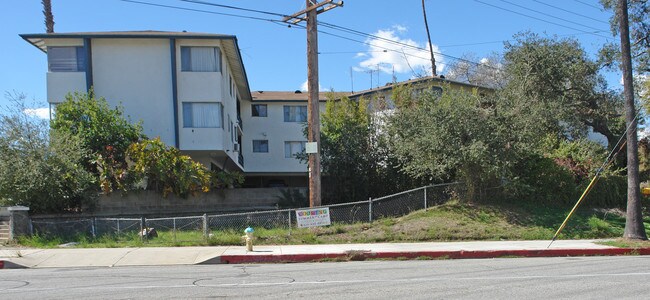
(49, 17)
(634, 220)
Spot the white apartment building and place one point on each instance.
(274, 125)
(186, 88)
(189, 89)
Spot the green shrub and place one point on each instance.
(540, 179)
(608, 191)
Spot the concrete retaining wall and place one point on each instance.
(148, 203)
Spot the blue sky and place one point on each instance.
(275, 56)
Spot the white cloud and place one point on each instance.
(43, 112)
(399, 57)
(304, 88)
(400, 28)
(484, 60)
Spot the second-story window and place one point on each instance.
(202, 115)
(200, 59)
(259, 110)
(261, 146)
(66, 59)
(295, 113)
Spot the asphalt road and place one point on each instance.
(505, 278)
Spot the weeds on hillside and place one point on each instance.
(453, 221)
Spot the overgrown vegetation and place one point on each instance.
(526, 140)
(40, 170)
(454, 221)
(89, 148)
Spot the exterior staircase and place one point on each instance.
(4, 229)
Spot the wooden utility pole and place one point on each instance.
(426, 25)
(634, 219)
(313, 116)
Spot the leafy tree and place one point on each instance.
(345, 150)
(103, 130)
(639, 22)
(559, 88)
(356, 159)
(487, 72)
(451, 137)
(123, 159)
(152, 165)
(166, 170)
(41, 171)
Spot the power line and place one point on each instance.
(503, 41)
(549, 15)
(375, 37)
(329, 25)
(236, 8)
(332, 26)
(204, 11)
(408, 54)
(344, 29)
(574, 13)
(589, 4)
(350, 52)
(540, 19)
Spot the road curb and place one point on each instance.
(460, 254)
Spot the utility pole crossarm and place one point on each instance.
(297, 17)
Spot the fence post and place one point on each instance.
(174, 219)
(205, 226)
(289, 212)
(118, 227)
(143, 223)
(92, 227)
(369, 209)
(425, 197)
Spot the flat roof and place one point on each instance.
(417, 80)
(288, 96)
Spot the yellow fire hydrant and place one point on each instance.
(249, 238)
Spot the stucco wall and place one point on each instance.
(276, 131)
(60, 84)
(137, 75)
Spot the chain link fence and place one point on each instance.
(363, 211)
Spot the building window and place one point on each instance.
(261, 146)
(202, 115)
(291, 149)
(230, 86)
(259, 110)
(232, 131)
(295, 113)
(200, 59)
(66, 59)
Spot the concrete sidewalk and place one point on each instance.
(157, 256)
